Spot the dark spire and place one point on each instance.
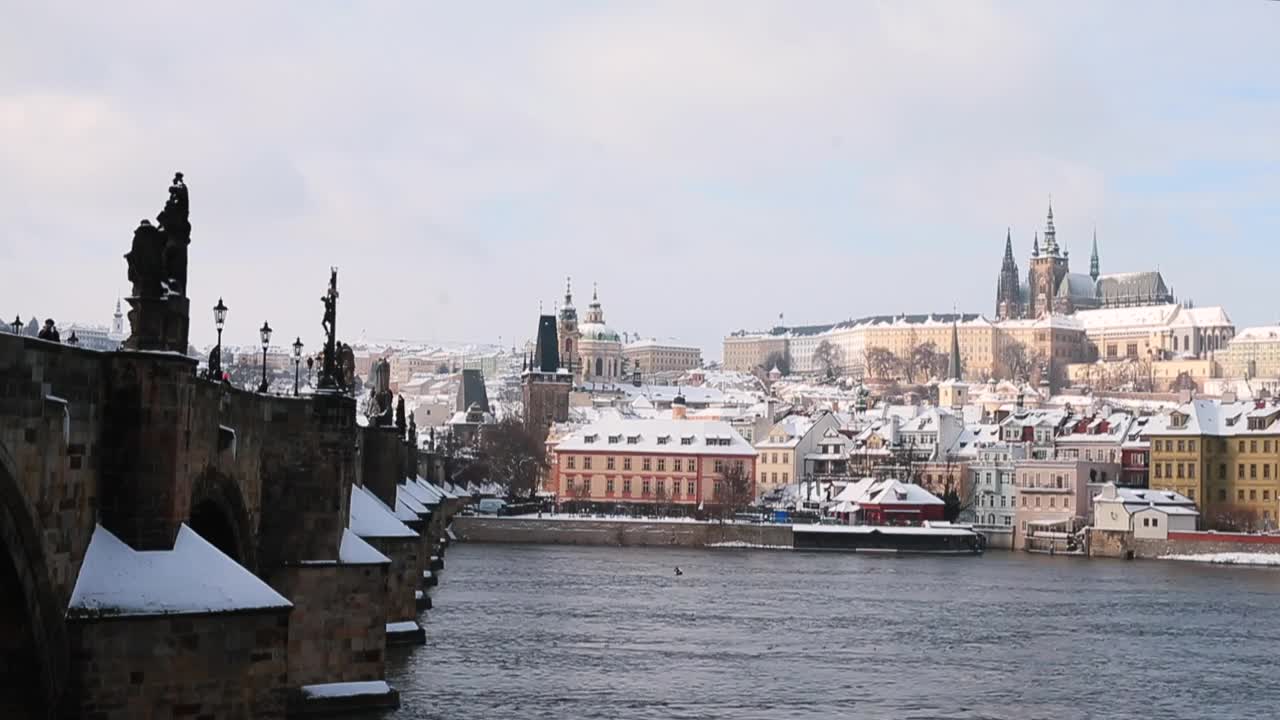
(1094, 272)
(547, 349)
(953, 367)
(1035, 245)
(1008, 249)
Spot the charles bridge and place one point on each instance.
(173, 546)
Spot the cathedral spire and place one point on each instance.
(1035, 245)
(1008, 247)
(1094, 272)
(1050, 234)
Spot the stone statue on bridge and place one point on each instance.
(159, 311)
(379, 407)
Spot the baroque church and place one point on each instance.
(592, 349)
(1051, 287)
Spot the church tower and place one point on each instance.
(1049, 265)
(117, 324)
(1008, 292)
(568, 327)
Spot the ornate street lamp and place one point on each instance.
(219, 321)
(72, 339)
(16, 325)
(265, 332)
(297, 362)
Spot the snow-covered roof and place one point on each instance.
(877, 491)
(193, 577)
(354, 551)
(674, 437)
(1267, 333)
(1214, 417)
(371, 518)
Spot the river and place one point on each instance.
(526, 631)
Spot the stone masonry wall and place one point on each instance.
(1116, 544)
(404, 576)
(196, 666)
(472, 528)
(338, 629)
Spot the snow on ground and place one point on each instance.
(347, 689)
(1230, 558)
(752, 546)
(193, 577)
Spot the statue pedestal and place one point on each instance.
(159, 323)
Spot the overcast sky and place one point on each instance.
(710, 165)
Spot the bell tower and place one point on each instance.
(1049, 265)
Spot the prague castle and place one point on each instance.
(1051, 287)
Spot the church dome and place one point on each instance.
(599, 332)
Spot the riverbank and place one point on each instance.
(574, 530)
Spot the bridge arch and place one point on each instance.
(219, 515)
(33, 640)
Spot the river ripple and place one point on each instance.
(524, 631)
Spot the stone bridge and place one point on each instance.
(173, 546)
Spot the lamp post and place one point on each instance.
(219, 321)
(265, 332)
(16, 324)
(297, 362)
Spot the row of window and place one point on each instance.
(990, 500)
(646, 463)
(1242, 446)
(647, 487)
(773, 477)
(773, 457)
(1179, 471)
(1066, 501)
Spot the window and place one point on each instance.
(1253, 471)
(646, 487)
(1155, 522)
(1131, 350)
(687, 440)
(1024, 501)
(692, 489)
(1253, 494)
(1158, 473)
(626, 486)
(773, 458)
(1191, 494)
(626, 463)
(615, 439)
(1222, 495)
(1179, 469)
(1037, 501)
(586, 462)
(568, 483)
(662, 487)
(608, 486)
(1146, 522)
(608, 463)
(1266, 494)
(1253, 446)
(1191, 470)
(646, 464)
(1007, 520)
(1168, 470)
(586, 486)
(663, 439)
(784, 477)
(1266, 446)
(719, 466)
(1191, 445)
(1053, 502)
(1240, 446)
(1180, 446)
(675, 465)
(1240, 495)
(571, 462)
(1222, 471)
(662, 464)
(1002, 499)
(675, 488)
(775, 478)
(1240, 471)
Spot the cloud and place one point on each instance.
(710, 164)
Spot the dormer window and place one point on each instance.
(664, 439)
(633, 439)
(589, 439)
(1179, 420)
(686, 440)
(615, 439)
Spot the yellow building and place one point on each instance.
(1225, 457)
(1255, 352)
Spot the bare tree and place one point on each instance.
(926, 361)
(1017, 362)
(1235, 518)
(513, 456)
(733, 491)
(780, 359)
(828, 358)
(881, 362)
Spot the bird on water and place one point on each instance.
(679, 572)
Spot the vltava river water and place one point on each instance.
(521, 631)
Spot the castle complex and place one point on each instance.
(1051, 287)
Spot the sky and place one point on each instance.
(710, 165)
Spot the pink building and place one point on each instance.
(1053, 500)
